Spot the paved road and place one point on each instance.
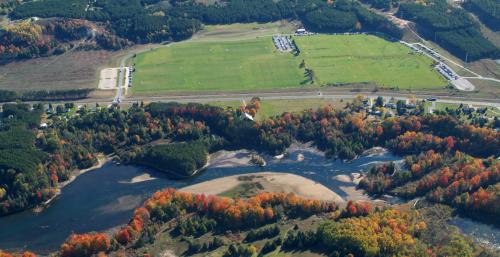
(119, 89)
(466, 85)
(295, 95)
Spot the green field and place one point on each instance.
(362, 58)
(201, 66)
(271, 108)
(253, 64)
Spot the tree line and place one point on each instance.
(132, 20)
(488, 12)
(44, 95)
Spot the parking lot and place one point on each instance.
(108, 79)
(283, 43)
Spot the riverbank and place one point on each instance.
(101, 160)
(252, 183)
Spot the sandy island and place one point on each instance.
(270, 182)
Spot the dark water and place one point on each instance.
(104, 198)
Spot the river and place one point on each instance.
(106, 197)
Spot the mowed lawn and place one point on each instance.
(211, 66)
(271, 108)
(366, 58)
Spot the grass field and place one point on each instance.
(241, 31)
(271, 108)
(204, 66)
(364, 58)
(253, 64)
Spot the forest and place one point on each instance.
(467, 183)
(359, 229)
(127, 21)
(344, 15)
(381, 4)
(133, 134)
(446, 161)
(181, 159)
(150, 21)
(488, 12)
(32, 39)
(22, 180)
(452, 28)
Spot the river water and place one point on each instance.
(105, 198)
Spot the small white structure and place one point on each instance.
(43, 125)
(247, 116)
(300, 31)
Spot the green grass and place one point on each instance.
(164, 241)
(243, 190)
(205, 66)
(271, 108)
(366, 58)
(254, 64)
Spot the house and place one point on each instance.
(300, 32)
(411, 106)
(390, 105)
(247, 116)
(43, 125)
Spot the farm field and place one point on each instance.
(366, 58)
(208, 66)
(77, 69)
(254, 64)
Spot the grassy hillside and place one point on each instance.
(203, 66)
(255, 64)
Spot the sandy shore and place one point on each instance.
(374, 151)
(139, 179)
(225, 159)
(270, 182)
(353, 193)
(101, 160)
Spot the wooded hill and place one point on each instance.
(155, 21)
(273, 223)
(145, 21)
(452, 28)
(488, 12)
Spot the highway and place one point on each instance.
(294, 95)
